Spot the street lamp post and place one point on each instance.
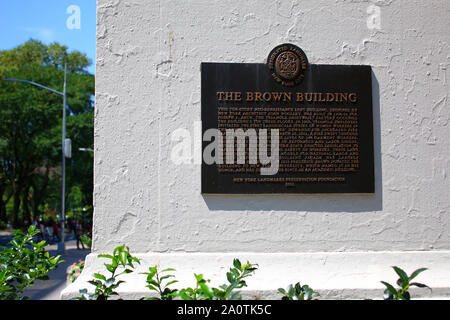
(61, 246)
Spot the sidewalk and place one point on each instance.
(51, 289)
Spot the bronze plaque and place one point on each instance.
(288, 64)
(286, 126)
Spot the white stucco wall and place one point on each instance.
(148, 85)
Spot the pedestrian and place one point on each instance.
(71, 226)
(47, 231)
(36, 226)
(56, 232)
(78, 228)
(42, 228)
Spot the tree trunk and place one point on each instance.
(3, 204)
(38, 194)
(15, 213)
(26, 208)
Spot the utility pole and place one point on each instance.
(61, 244)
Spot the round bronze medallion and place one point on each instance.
(287, 64)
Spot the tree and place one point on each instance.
(30, 126)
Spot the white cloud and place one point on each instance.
(41, 33)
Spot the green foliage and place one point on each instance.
(30, 129)
(22, 263)
(75, 198)
(404, 282)
(87, 240)
(121, 262)
(159, 281)
(235, 278)
(34, 51)
(298, 292)
(202, 290)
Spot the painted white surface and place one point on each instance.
(148, 85)
(335, 275)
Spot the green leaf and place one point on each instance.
(390, 288)
(127, 271)
(42, 243)
(420, 285)
(416, 273)
(402, 274)
(182, 294)
(153, 282)
(298, 288)
(118, 249)
(291, 290)
(166, 277)
(206, 290)
(94, 283)
(99, 276)
(107, 256)
(123, 258)
(241, 284)
(230, 277)
(198, 277)
(110, 268)
(171, 282)
(115, 262)
(237, 264)
(152, 287)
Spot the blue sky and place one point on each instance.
(46, 20)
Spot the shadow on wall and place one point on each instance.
(315, 202)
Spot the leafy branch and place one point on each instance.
(298, 292)
(202, 290)
(105, 287)
(404, 282)
(160, 283)
(24, 262)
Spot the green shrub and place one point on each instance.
(404, 282)
(86, 240)
(22, 263)
(298, 292)
(121, 260)
(159, 281)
